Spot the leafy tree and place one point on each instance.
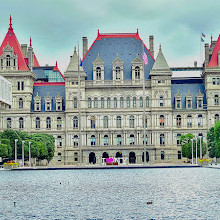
(217, 132)
(213, 138)
(5, 148)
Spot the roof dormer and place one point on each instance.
(137, 68)
(98, 69)
(118, 69)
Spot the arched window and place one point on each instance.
(108, 102)
(37, 122)
(216, 118)
(131, 121)
(8, 60)
(21, 103)
(128, 102)
(106, 140)
(147, 102)
(162, 139)
(59, 123)
(21, 123)
(145, 139)
(98, 73)
(118, 122)
(131, 139)
(178, 121)
(89, 103)
(162, 121)
(121, 102)
(93, 140)
(75, 122)
(118, 72)
(75, 141)
(59, 141)
(8, 123)
(200, 121)
(115, 102)
(141, 102)
(189, 121)
(95, 102)
(161, 101)
(134, 102)
(216, 100)
(178, 138)
(137, 72)
(105, 122)
(118, 140)
(102, 103)
(179, 155)
(92, 122)
(48, 123)
(75, 102)
(200, 135)
(162, 155)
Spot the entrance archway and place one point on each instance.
(132, 157)
(147, 157)
(92, 158)
(105, 155)
(119, 155)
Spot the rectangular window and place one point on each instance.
(213, 81)
(217, 81)
(189, 104)
(18, 85)
(22, 85)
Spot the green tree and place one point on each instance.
(213, 138)
(5, 148)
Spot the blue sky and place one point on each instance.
(57, 25)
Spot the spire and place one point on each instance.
(56, 64)
(211, 41)
(137, 31)
(30, 42)
(10, 24)
(98, 32)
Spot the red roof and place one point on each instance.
(12, 41)
(57, 69)
(36, 64)
(214, 59)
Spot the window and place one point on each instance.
(162, 155)
(48, 123)
(118, 140)
(121, 102)
(19, 86)
(102, 103)
(14, 62)
(92, 122)
(75, 141)
(128, 102)
(59, 106)
(75, 122)
(131, 139)
(189, 104)
(89, 103)
(59, 123)
(95, 102)
(161, 101)
(178, 121)
(131, 121)
(75, 103)
(137, 72)
(162, 120)
(118, 122)
(134, 102)
(141, 102)
(200, 103)
(37, 122)
(145, 139)
(178, 103)
(108, 102)
(48, 106)
(200, 121)
(98, 73)
(105, 139)
(59, 141)
(22, 85)
(8, 123)
(118, 72)
(21, 123)
(216, 100)
(21, 104)
(145, 122)
(37, 106)
(162, 139)
(93, 140)
(115, 102)
(189, 121)
(76, 156)
(217, 81)
(179, 155)
(216, 118)
(178, 138)
(147, 102)
(8, 61)
(105, 122)
(213, 81)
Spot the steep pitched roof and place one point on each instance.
(12, 41)
(36, 64)
(214, 59)
(73, 64)
(160, 62)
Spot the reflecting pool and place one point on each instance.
(171, 193)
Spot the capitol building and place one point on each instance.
(110, 104)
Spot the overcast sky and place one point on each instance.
(57, 25)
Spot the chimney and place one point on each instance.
(30, 58)
(85, 45)
(206, 54)
(151, 44)
(195, 63)
(24, 49)
(213, 43)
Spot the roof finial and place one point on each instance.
(30, 42)
(75, 49)
(211, 41)
(160, 48)
(137, 31)
(98, 32)
(10, 24)
(56, 63)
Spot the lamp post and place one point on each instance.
(23, 153)
(29, 153)
(196, 152)
(16, 140)
(192, 150)
(200, 147)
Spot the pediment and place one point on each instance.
(137, 60)
(98, 61)
(117, 61)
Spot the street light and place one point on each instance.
(200, 147)
(192, 150)
(196, 152)
(16, 140)
(29, 153)
(23, 153)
